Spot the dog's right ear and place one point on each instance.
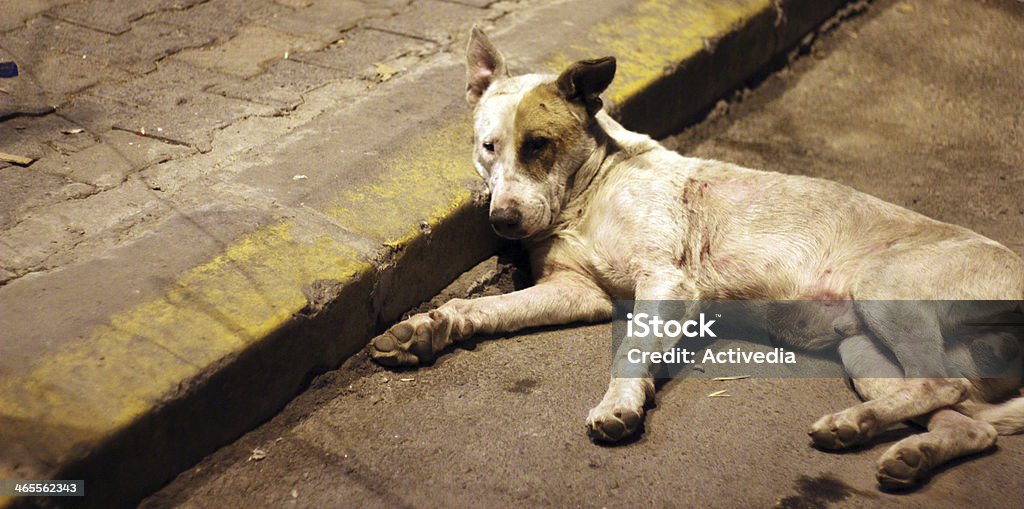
(484, 64)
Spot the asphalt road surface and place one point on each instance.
(918, 103)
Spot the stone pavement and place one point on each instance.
(228, 196)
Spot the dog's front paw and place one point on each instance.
(609, 422)
(413, 341)
(843, 430)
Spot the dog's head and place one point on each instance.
(532, 134)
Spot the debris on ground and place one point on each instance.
(720, 394)
(8, 70)
(730, 378)
(257, 454)
(385, 71)
(16, 159)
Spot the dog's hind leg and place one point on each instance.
(950, 435)
(890, 398)
(912, 332)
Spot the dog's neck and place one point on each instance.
(592, 167)
(613, 145)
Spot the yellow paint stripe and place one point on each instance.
(214, 310)
(428, 181)
(657, 34)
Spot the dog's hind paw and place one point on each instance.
(412, 341)
(613, 424)
(843, 430)
(903, 465)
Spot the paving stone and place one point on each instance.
(441, 22)
(247, 53)
(44, 35)
(114, 16)
(16, 138)
(16, 100)
(17, 13)
(284, 82)
(21, 188)
(73, 141)
(135, 51)
(149, 41)
(174, 84)
(62, 75)
(324, 20)
(99, 165)
(99, 115)
(182, 126)
(170, 105)
(143, 151)
(56, 59)
(35, 136)
(237, 147)
(88, 113)
(220, 19)
(42, 238)
(355, 54)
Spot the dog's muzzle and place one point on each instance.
(508, 223)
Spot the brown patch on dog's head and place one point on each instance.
(552, 117)
(544, 125)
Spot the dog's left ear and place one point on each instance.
(484, 64)
(584, 81)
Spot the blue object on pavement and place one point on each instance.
(8, 69)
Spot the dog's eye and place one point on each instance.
(489, 146)
(536, 145)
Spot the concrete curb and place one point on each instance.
(217, 347)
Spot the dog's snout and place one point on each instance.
(507, 222)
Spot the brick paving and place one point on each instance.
(114, 93)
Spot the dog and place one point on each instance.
(609, 214)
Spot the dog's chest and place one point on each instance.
(607, 246)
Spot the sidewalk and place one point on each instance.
(230, 196)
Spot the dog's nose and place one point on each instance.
(507, 221)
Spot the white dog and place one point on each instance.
(610, 214)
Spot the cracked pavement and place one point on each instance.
(122, 104)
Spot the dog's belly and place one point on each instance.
(811, 325)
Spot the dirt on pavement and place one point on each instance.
(915, 102)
